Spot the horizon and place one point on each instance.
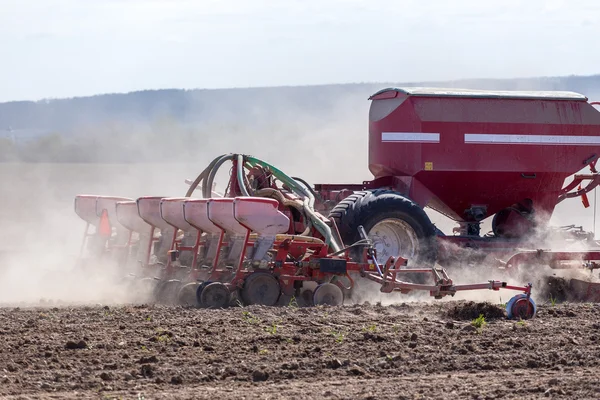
(291, 86)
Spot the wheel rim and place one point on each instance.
(262, 289)
(393, 237)
(520, 306)
(523, 309)
(215, 295)
(328, 294)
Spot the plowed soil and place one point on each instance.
(404, 351)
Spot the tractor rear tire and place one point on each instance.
(387, 216)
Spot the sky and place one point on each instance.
(66, 48)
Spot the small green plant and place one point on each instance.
(339, 336)
(263, 351)
(521, 323)
(371, 328)
(553, 300)
(293, 302)
(163, 338)
(272, 329)
(502, 304)
(249, 318)
(479, 322)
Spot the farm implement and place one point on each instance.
(469, 155)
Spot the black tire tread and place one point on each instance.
(363, 207)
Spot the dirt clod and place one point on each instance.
(259, 376)
(147, 360)
(105, 376)
(334, 364)
(71, 345)
(147, 371)
(356, 370)
(471, 310)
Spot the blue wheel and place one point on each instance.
(519, 307)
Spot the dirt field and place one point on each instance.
(134, 352)
(403, 351)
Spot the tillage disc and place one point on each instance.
(328, 294)
(261, 288)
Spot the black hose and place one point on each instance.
(210, 168)
(305, 184)
(207, 184)
(200, 177)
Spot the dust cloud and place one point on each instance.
(40, 233)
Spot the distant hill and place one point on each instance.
(121, 127)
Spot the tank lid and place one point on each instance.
(486, 94)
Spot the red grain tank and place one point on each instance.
(470, 154)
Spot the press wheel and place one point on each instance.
(215, 295)
(187, 294)
(199, 290)
(328, 294)
(260, 288)
(306, 298)
(521, 307)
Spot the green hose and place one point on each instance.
(308, 201)
(207, 176)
